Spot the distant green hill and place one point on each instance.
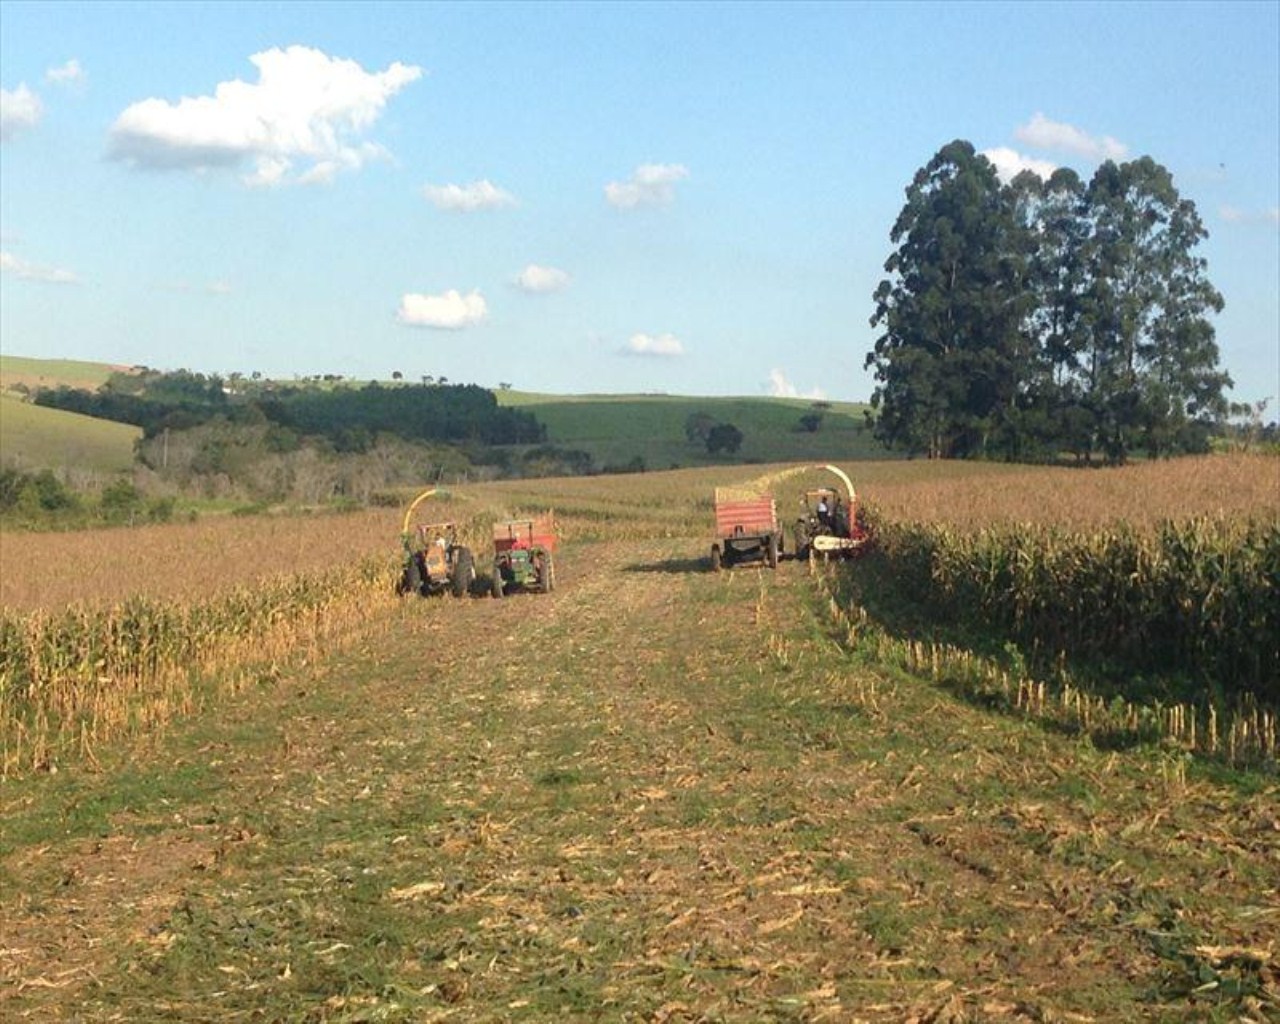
(49, 373)
(35, 438)
(614, 429)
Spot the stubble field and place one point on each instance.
(656, 794)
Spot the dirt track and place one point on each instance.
(656, 794)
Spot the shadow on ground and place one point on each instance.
(671, 566)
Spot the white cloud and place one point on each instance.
(661, 346)
(450, 311)
(650, 185)
(1236, 215)
(479, 195)
(306, 107)
(20, 268)
(539, 280)
(780, 387)
(1010, 163)
(1056, 136)
(70, 73)
(19, 109)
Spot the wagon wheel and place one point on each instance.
(464, 571)
(716, 563)
(495, 582)
(771, 551)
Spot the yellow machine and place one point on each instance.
(434, 560)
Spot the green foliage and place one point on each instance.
(1195, 599)
(351, 416)
(33, 495)
(42, 500)
(1025, 320)
(348, 417)
(697, 426)
(724, 437)
(811, 422)
(950, 356)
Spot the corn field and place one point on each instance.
(1199, 597)
(71, 680)
(1189, 609)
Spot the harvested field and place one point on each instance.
(656, 794)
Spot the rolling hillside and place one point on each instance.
(616, 428)
(49, 373)
(32, 437)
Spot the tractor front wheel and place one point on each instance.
(412, 578)
(464, 571)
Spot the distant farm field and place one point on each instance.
(51, 373)
(616, 429)
(33, 437)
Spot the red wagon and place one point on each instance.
(746, 529)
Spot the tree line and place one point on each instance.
(1041, 317)
(348, 417)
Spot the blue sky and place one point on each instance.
(690, 198)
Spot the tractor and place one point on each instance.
(830, 524)
(434, 561)
(523, 556)
(746, 529)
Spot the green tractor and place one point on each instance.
(524, 556)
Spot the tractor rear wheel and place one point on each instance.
(464, 571)
(547, 574)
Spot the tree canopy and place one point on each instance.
(1042, 316)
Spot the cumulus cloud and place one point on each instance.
(538, 280)
(1010, 163)
(20, 108)
(450, 311)
(479, 195)
(20, 268)
(1058, 137)
(70, 73)
(650, 185)
(780, 387)
(660, 346)
(1237, 215)
(306, 110)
